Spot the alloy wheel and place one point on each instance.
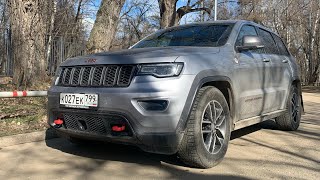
(213, 127)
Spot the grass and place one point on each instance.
(22, 115)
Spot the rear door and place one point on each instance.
(270, 57)
(281, 71)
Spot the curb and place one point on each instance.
(27, 138)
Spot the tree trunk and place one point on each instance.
(167, 13)
(49, 43)
(105, 25)
(28, 37)
(313, 71)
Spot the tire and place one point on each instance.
(290, 120)
(194, 149)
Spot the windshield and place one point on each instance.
(199, 35)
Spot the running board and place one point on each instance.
(254, 120)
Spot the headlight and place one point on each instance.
(161, 70)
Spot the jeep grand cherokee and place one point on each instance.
(181, 90)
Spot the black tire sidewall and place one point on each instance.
(206, 158)
(294, 124)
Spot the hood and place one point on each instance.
(139, 56)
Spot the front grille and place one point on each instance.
(107, 75)
(94, 124)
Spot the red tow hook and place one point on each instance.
(118, 128)
(58, 123)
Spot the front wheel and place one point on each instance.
(207, 134)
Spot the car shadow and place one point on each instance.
(102, 153)
(268, 124)
(131, 154)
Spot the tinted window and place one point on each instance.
(246, 30)
(282, 48)
(270, 46)
(200, 35)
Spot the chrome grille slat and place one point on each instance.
(111, 76)
(85, 76)
(61, 75)
(97, 76)
(67, 76)
(125, 75)
(76, 76)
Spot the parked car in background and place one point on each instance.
(181, 90)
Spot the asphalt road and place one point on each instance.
(257, 152)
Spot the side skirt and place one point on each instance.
(254, 120)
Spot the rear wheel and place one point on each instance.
(290, 120)
(208, 130)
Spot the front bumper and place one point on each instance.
(150, 130)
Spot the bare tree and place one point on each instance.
(137, 20)
(27, 19)
(170, 16)
(4, 34)
(297, 22)
(51, 28)
(105, 25)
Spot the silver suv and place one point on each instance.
(180, 91)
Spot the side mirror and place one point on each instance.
(250, 43)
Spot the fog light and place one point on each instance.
(154, 105)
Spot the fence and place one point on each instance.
(60, 49)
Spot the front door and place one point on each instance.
(249, 77)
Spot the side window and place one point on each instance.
(245, 30)
(282, 48)
(270, 46)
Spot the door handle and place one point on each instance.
(285, 61)
(266, 60)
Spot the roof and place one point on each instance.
(225, 22)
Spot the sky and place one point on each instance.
(92, 9)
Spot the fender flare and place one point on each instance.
(196, 85)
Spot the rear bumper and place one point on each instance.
(152, 131)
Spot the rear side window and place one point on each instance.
(245, 30)
(282, 48)
(270, 46)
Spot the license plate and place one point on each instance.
(79, 100)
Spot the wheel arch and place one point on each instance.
(296, 82)
(222, 83)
